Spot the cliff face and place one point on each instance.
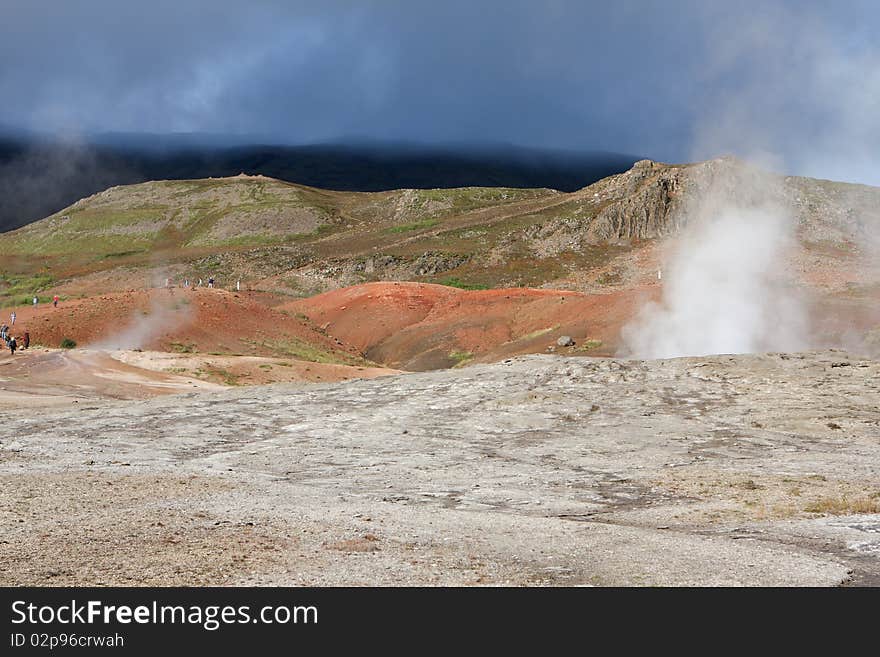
(647, 204)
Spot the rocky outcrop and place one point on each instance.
(654, 199)
(646, 207)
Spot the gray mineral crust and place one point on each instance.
(541, 470)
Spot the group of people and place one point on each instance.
(210, 283)
(186, 282)
(36, 300)
(10, 340)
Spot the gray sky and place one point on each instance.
(795, 83)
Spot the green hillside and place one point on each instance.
(298, 240)
(229, 212)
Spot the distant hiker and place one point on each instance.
(200, 283)
(12, 346)
(55, 301)
(185, 282)
(35, 301)
(211, 281)
(237, 289)
(26, 341)
(12, 317)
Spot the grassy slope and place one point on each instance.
(258, 228)
(179, 221)
(184, 215)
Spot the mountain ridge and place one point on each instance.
(39, 176)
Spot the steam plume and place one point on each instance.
(167, 312)
(725, 287)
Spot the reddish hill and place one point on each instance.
(403, 325)
(417, 326)
(182, 320)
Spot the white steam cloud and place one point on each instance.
(167, 312)
(785, 86)
(725, 290)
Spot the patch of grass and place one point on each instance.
(67, 343)
(844, 505)
(302, 350)
(587, 345)
(452, 281)
(226, 376)
(253, 240)
(77, 243)
(181, 348)
(321, 231)
(20, 289)
(26, 301)
(461, 357)
(462, 199)
(175, 370)
(416, 225)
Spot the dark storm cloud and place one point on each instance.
(671, 80)
(539, 73)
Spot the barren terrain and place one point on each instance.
(39, 377)
(726, 470)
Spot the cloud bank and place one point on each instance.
(803, 77)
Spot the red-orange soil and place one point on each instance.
(193, 320)
(417, 326)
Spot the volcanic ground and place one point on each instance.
(723, 470)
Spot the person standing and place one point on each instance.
(55, 301)
(211, 282)
(12, 317)
(35, 301)
(12, 345)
